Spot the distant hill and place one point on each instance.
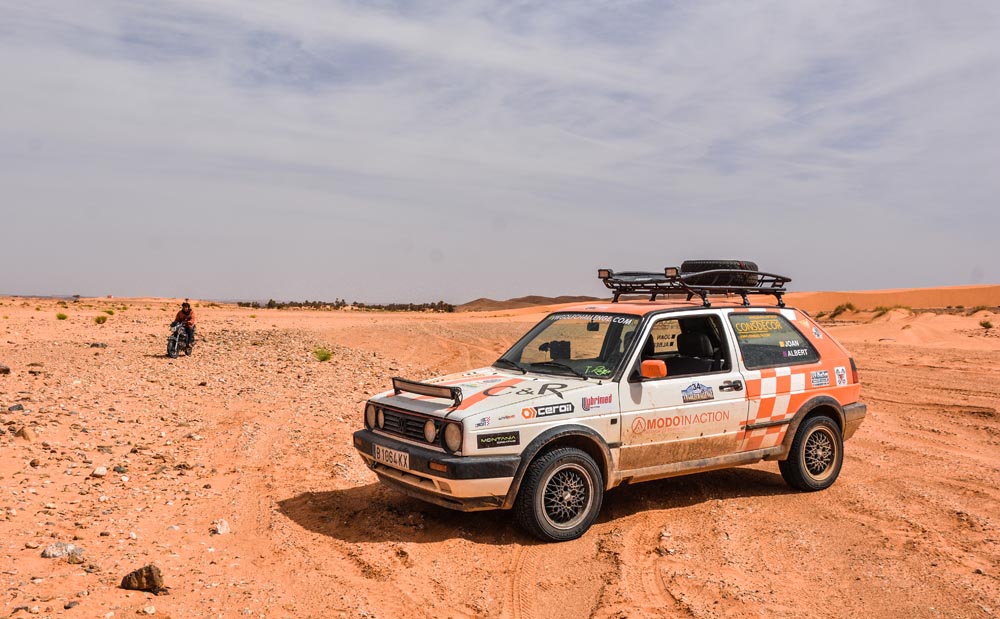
(491, 305)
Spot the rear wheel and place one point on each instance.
(561, 495)
(816, 456)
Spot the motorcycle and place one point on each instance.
(178, 340)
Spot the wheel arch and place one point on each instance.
(583, 438)
(820, 405)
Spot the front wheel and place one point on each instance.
(816, 456)
(561, 495)
(172, 346)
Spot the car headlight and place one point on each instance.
(453, 437)
(430, 431)
(370, 416)
(380, 418)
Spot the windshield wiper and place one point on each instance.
(510, 364)
(560, 365)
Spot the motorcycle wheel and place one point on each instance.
(172, 346)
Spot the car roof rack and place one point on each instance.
(695, 284)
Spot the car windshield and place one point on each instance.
(575, 344)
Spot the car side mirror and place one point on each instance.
(654, 368)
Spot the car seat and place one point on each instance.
(696, 355)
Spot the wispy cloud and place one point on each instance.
(382, 150)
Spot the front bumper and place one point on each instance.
(854, 414)
(470, 483)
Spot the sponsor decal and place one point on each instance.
(499, 439)
(820, 378)
(595, 402)
(756, 327)
(505, 417)
(644, 424)
(697, 392)
(555, 388)
(841, 373)
(795, 352)
(546, 410)
(817, 332)
(618, 320)
(484, 422)
(599, 370)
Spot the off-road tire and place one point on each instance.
(816, 456)
(696, 266)
(560, 496)
(173, 346)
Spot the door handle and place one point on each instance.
(731, 385)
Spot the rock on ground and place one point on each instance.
(148, 578)
(61, 549)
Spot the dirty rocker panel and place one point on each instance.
(694, 466)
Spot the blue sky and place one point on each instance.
(383, 151)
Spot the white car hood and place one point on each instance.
(487, 389)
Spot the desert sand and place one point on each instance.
(254, 431)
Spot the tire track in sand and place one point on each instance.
(521, 585)
(642, 577)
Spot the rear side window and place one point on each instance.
(769, 340)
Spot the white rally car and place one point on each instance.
(604, 394)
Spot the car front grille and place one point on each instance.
(404, 424)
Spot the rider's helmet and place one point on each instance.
(185, 306)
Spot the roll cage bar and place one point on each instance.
(698, 284)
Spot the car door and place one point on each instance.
(697, 410)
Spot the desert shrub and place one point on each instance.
(820, 315)
(840, 309)
(61, 316)
(109, 312)
(986, 324)
(978, 308)
(882, 310)
(322, 354)
(100, 319)
(253, 315)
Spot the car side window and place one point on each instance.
(687, 345)
(769, 340)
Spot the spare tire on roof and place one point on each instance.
(689, 267)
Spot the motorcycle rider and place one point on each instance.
(186, 317)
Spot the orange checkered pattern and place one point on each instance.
(776, 394)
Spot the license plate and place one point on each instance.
(392, 457)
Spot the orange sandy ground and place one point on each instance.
(254, 430)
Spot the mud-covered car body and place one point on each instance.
(641, 389)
